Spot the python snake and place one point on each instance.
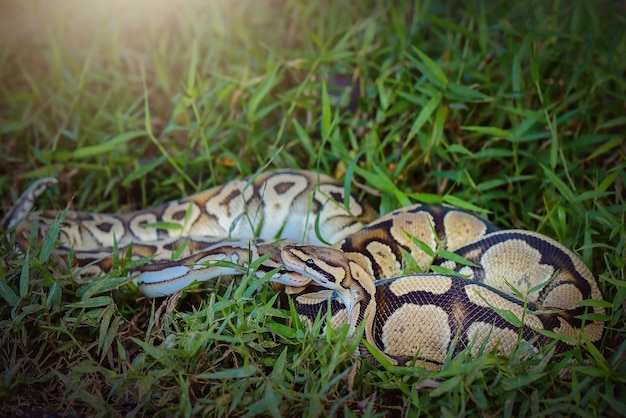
(332, 252)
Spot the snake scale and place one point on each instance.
(423, 280)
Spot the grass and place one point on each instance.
(515, 108)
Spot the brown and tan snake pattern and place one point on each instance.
(418, 278)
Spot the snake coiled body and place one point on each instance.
(417, 278)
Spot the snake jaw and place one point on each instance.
(288, 277)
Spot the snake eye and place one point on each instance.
(310, 262)
(282, 271)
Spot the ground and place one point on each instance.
(514, 108)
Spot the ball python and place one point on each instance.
(422, 280)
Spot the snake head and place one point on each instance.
(328, 267)
(334, 270)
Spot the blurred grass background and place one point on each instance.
(516, 108)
